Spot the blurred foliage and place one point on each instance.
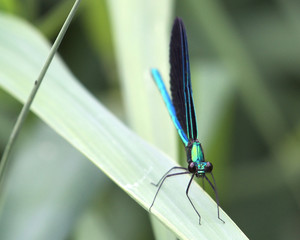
(252, 47)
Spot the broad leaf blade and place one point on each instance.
(70, 110)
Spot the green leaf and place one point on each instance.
(66, 106)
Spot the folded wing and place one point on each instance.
(181, 89)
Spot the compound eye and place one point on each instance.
(192, 167)
(208, 168)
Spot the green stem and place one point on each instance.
(37, 83)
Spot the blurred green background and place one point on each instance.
(245, 59)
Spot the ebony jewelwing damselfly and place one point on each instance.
(182, 112)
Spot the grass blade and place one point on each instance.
(71, 111)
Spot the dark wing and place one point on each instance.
(181, 89)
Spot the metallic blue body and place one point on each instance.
(193, 147)
(164, 93)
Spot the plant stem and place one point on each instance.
(22, 116)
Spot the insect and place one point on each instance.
(182, 112)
